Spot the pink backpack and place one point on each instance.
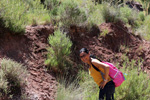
(116, 75)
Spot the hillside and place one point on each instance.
(46, 36)
(30, 49)
(111, 47)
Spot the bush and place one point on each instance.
(95, 17)
(134, 88)
(136, 85)
(141, 16)
(144, 29)
(78, 12)
(52, 5)
(13, 76)
(131, 17)
(69, 13)
(110, 13)
(59, 50)
(12, 14)
(17, 14)
(124, 14)
(93, 12)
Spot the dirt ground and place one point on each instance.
(30, 49)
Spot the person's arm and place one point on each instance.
(99, 64)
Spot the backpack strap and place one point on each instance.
(98, 71)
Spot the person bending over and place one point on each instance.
(106, 85)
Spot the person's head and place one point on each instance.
(84, 55)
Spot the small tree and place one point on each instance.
(59, 50)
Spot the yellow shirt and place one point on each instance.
(97, 75)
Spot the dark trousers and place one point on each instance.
(107, 91)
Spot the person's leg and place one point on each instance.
(101, 94)
(110, 89)
(113, 96)
(109, 96)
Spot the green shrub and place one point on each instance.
(136, 85)
(52, 5)
(13, 76)
(124, 14)
(59, 50)
(77, 12)
(132, 17)
(12, 14)
(92, 11)
(38, 16)
(144, 29)
(95, 17)
(69, 13)
(142, 16)
(110, 13)
(13, 71)
(17, 14)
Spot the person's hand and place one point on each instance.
(103, 84)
